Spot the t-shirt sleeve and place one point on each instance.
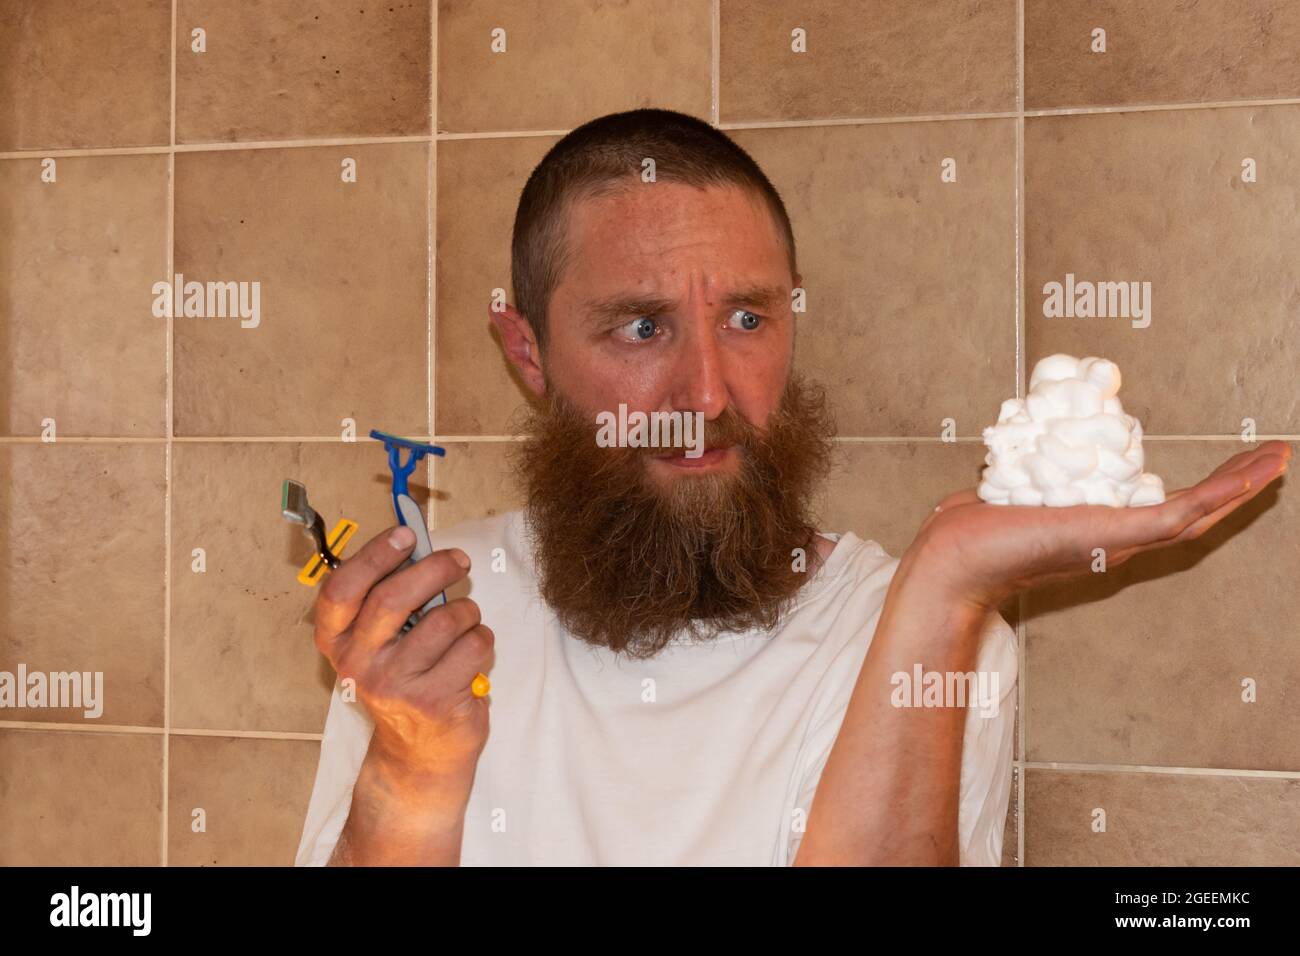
(343, 747)
(988, 752)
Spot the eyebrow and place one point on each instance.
(757, 295)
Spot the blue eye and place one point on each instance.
(750, 321)
(641, 328)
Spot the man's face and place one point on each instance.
(676, 299)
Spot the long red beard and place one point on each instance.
(630, 564)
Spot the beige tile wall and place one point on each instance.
(925, 304)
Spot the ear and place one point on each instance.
(521, 346)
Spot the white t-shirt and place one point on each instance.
(707, 754)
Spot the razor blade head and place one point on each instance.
(293, 503)
(393, 441)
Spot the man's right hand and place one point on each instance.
(429, 727)
(416, 687)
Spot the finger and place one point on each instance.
(1257, 485)
(345, 588)
(1188, 532)
(426, 643)
(469, 654)
(1153, 525)
(393, 599)
(1237, 462)
(1275, 446)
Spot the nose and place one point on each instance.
(699, 380)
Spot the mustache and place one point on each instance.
(657, 440)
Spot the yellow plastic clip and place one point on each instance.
(315, 569)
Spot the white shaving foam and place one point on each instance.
(1068, 442)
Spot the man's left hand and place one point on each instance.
(980, 554)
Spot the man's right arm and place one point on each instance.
(399, 818)
(411, 791)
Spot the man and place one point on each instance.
(680, 663)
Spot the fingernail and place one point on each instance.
(460, 557)
(401, 538)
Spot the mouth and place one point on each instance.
(712, 457)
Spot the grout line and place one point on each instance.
(444, 439)
(213, 147)
(84, 440)
(162, 732)
(867, 120)
(715, 61)
(244, 734)
(301, 143)
(524, 133)
(169, 410)
(1233, 437)
(89, 151)
(1170, 771)
(273, 439)
(502, 134)
(430, 261)
(79, 728)
(1020, 813)
(1022, 602)
(1019, 229)
(1162, 107)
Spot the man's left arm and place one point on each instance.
(889, 794)
(989, 747)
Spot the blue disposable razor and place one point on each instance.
(408, 512)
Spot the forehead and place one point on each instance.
(647, 233)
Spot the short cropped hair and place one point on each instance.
(602, 156)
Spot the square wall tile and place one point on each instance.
(866, 58)
(903, 481)
(81, 256)
(479, 182)
(1159, 51)
(1144, 664)
(287, 69)
(473, 481)
(342, 328)
(565, 62)
(242, 656)
(253, 794)
(910, 280)
(69, 799)
(78, 74)
(82, 585)
(1157, 819)
(1158, 198)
